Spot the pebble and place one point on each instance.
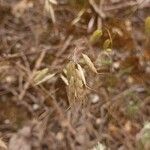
(35, 107)
(94, 98)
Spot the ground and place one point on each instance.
(74, 75)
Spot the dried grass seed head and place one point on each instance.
(89, 63)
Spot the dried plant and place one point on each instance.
(147, 26)
(89, 63)
(75, 89)
(42, 76)
(110, 60)
(3, 146)
(143, 137)
(49, 9)
(95, 37)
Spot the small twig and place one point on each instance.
(121, 6)
(99, 20)
(97, 9)
(19, 55)
(49, 8)
(143, 3)
(126, 92)
(25, 59)
(59, 110)
(27, 84)
(65, 46)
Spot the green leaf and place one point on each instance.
(95, 37)
(147, 26)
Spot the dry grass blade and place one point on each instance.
(147, 26)
(78, 80)
(89, 63)
(49, 9)
(99, 146)
(97, 9)
(65, 71)
(64, 79)
(2, 145)
(40, 74)
(78, 18)
(81, 72)
(70, 69)
(46, 78)
(53, 2)
(27, 84)
(81, 76)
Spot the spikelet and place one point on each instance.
(95, 37)
(147, 26)
(64, 79)
(75, 80)
(46, 78)
(107, 44)
(42, 76)
(89, 63)
(81, 73)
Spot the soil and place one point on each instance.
(110, 110)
